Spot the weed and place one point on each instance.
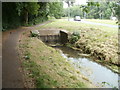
(61, 73)
(73, 77)
(24, 33)
(42, 58)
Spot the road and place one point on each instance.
(94, 23)
(12, 75)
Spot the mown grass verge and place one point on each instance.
(47, 67)
(111, 22)
(99, 41)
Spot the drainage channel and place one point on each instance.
(98, 74)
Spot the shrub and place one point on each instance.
(76, 34)
(34, 35)
(74, 37)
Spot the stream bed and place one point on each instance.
(99, 75)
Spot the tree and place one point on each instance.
(113, 7)
(10, 17)
(74, 11)
(69, 3)
(29, 13)
(56, 9)
(26, 8)
(117, 10)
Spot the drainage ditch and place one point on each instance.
(98, 74)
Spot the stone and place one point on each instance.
(35, 32)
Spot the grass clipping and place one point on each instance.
(48, 68)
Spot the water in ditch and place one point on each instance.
(98, 74)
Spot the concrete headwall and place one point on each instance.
(56, 36)
(50, 38)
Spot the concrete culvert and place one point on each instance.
(52, 35)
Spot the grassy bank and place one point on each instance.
(99, 41)
(46, 67)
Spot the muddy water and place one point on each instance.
(96, 73)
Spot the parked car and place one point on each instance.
(77, 18)
(113, 18)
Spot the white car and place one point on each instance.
(77, 18)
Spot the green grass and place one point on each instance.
(48, 67)
(77, 26)
(111, 22)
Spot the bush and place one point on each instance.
(34, 35)
(74, 37)
(76, 34)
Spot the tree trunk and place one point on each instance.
(68, 10)
(26, 18)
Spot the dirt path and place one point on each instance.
(11, 66)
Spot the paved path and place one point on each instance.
(11, 75)
(11, 66)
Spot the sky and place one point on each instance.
(77, 2)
